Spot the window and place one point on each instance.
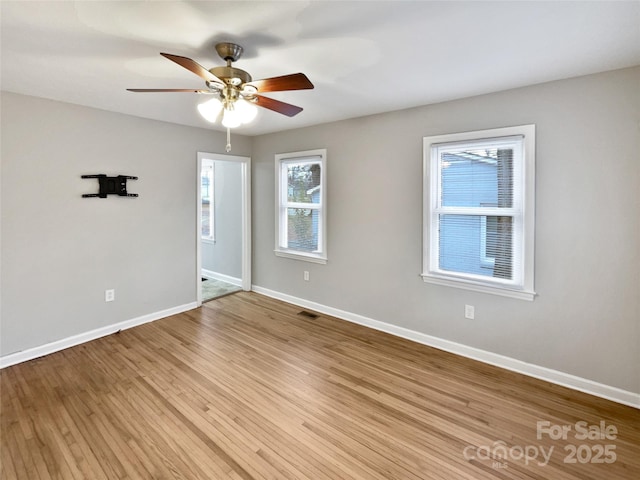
(479, 210)
(301, 205)
(206, 199)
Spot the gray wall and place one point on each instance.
(60, 251)
(586, 318)
(225, 255)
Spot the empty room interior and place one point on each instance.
(320, 240)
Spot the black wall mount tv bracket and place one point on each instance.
(111, 186)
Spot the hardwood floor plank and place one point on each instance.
(244, 388)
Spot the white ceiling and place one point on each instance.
(363, 57)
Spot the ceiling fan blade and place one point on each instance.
(192, 90)
(295, 81)
(193, 66)
(278, 106)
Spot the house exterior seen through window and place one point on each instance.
(478, 208)
(301, 211)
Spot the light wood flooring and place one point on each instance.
(246, 388)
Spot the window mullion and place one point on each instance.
(478, 211)
(309, 206)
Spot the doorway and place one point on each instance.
(223, 254)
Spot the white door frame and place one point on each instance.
(245, 163)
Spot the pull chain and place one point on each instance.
(228, 139)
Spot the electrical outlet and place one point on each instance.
(109, 295)
(469, 312)
(306, 276)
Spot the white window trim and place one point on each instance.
(281, 192)
(523, 211)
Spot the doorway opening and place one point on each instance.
(223, 254)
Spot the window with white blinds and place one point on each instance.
(301, 205)
(478, 209)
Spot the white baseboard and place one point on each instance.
(222, 277)
(553, 376)
(31, 353)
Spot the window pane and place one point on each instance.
(206, 200)
(475, 177)
(206, 225)
(303, 182)
(302, 229)
(467, 242)
(491, 238)
(502, 247)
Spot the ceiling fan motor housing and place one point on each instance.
(231, 75)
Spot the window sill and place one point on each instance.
(306, 257)
(504, 292)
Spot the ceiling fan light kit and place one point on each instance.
(210, 109)
(235, 93)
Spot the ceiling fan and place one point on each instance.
(234, 91)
